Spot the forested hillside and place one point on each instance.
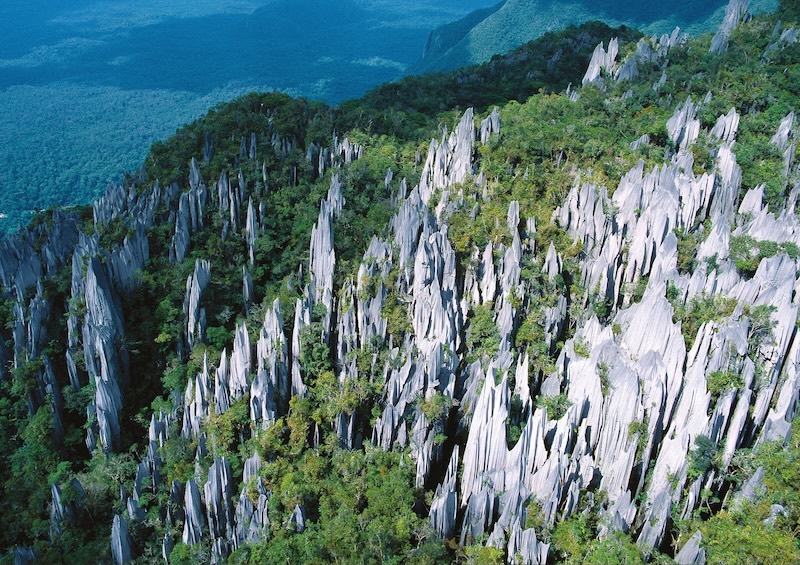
(484, 33)
(471, 317)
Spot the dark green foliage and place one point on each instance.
(483, 337)
(739, 533)
(744, 539)
(789, 8)
(556, 406)
(436, 407)
(361, 504)
(575, 541)
(718, 382)
(698, 311)
(687, 249)
(701, 458)
(315, 358)
(761, 325)
(409, 107)
(747, 252)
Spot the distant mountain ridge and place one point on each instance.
(484, 33)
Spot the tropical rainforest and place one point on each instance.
(542, 309)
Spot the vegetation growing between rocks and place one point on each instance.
(364, 504)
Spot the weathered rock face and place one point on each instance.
(630, 371)
(194, 526)
(619, 411)
(219, 508)
(195, 314)
(120, 541)
(735, 13)
(602, 61)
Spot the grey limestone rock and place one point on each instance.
(271, 355)
(196, 403)
(485, 450)
(490, 125)
(436, 310)
(252, 522)
(726, 127)
(683, 127)
(784, 141)
(63, 512)
(196, 284)
(195, 178)
(180, 241)
(751, 489)
(523, 542)
(729, 178)
(166, 546)
(247, 289)
(251, 467)
(641, 141)
(24, 556)
(218, 498)
(789, 36)
(602, 60)
(106, 361)
(322, 257)
(120, 541)
(222, 396)
(347, 150)
(449, 162)
(692, 553)
(297, 521)
(194, 526)
(124, 262)
(735, 13)
(251, 230)
(648, 50)
(240, 364)
(444, 508)
(302, 318)
(263, 406)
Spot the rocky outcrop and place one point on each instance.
(196, 402)
(120, 541)
(648, 51)
(507, 435)
(196, 284)
(735, 13)
(602, 61)
(106, 361)
(194, 526)
(683, 127)
(219, 507)
(449, 161)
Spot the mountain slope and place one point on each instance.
(564, 330)
(479, 36)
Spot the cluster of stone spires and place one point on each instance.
(631, 372)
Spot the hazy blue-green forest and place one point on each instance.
(86, 87)
(481, 35)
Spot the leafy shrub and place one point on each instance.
(718, 382)
(581, 348)
(747, 252)
(701, 458)
(556, 406)
(436, 407)
(699, 311)
(483, 337)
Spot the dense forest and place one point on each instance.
(483, 33)
(392, 330)
(86, 88)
